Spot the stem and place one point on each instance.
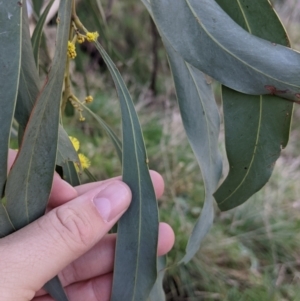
(67, 91)
(76, 20)
(155, 61)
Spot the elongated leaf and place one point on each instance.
(256, 127)
(90, 175)
(148, 6)
(55, 290)
(138, 228)
(37, 33)
(5, 223)
(201, 121)
(80, 66)
(29, 89)
(30, 180)
(70, 174)
(65, 151)
(258, 18)
(29, 86)
(10, 62)
(114, 138)
(251, 167)
(37, 6)
(95, 10)
(207, 38)
(157, 293)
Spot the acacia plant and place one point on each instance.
(240, 43)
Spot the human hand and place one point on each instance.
(71, 240)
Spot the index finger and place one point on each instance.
(157, 181)
(12, 154)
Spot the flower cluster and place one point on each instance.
(89, 99)
(92, 36)
(81, 117)
(78, 105)
(71, 50)
(80, 38)
(75, 143)
(84, 161)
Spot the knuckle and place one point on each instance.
(70, 275)
(74, 226)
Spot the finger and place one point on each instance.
(93, 290)
(166, 239)
(157, 180)
(61, 192)
(12, 154)
(100, 259)
(61, 236)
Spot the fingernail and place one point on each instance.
(112, 200)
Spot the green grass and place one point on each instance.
(252, 252)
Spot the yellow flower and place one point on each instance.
(80, 38)
(75, 143)
(89, 99)
(71, 50)
(92, 36)
(84, 161)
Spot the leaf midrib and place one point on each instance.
(104, 125)
(230, 53)
(244, 15)
(47, 97)
(253, 153)
(139, 177)
(34, 146)
(259, 123)
(16, 93)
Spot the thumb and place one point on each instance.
(35, 254)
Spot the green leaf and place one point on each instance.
(29, 86)
(80, 67)
(5, 223)
(96, 9)
(38, 31)
(157, 293)
(70, 174)
(90, 175)
(10, 62)
(101, 11)
(201, 121)
(29, 89)
(256, 127)
(55, 289)
(114, 138)
(258, 18)
(65, 151)
(29, 182)
(138, 228)
(251, 156)
(37, 6)
(207, 38)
